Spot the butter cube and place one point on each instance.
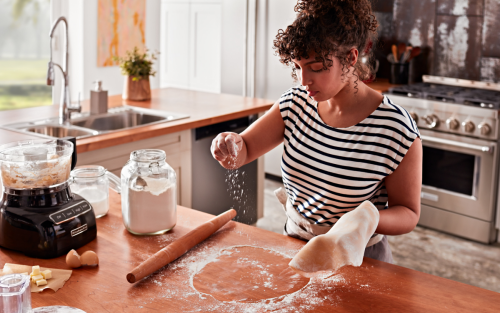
(36, 270)
(47, 274)
(41, 282)
(36, 278)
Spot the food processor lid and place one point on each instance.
(35, 150)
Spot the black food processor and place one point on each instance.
(39, 215)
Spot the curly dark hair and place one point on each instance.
(330, 27)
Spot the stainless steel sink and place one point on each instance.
(59, 131)
(85, 125)
(123, 119)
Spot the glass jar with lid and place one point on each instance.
(149, 193)
(92, 182)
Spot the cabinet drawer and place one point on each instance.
(171, 144)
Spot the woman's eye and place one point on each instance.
(317, 68)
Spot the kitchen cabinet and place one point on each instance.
(191, 45)
(177, 147)
(174, 57)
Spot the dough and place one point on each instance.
(248, 274)
(342, 245)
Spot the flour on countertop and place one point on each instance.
(318, 292)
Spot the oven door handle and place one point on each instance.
(457, 144)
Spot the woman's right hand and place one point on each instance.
(226, 148)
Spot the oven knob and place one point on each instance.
(468, 126)
(431, 120)
(414, 116)
(452, 123)
(484, 128)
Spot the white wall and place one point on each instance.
(82, 19)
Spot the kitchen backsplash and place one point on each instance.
(459, 38)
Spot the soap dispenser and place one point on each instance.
(98, 99)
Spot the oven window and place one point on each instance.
(448, 170)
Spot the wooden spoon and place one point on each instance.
(414, 52)
(395, 53)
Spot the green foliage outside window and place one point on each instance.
(24, 53)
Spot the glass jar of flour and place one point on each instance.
(149, 192)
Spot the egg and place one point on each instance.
(73, 259)
(89, 258)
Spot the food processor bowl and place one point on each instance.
(34, 164)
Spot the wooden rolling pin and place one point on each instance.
(180, 246)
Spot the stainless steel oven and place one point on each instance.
(459, 183)
(460, 140)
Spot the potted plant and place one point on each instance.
(137, 67)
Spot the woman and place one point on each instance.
(343, 142)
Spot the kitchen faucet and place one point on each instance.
(65, 108)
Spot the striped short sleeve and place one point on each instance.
(287, 105)
(402, 126)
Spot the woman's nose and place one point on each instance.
(304, 79)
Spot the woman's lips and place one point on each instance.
(312, 93)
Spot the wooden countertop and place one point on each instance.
(374, 287)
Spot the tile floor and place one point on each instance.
(423, 249)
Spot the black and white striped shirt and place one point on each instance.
(329, 171)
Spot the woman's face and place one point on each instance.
(321, 84)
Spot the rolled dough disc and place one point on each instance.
(248, 274)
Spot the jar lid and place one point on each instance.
(88, 171)
(148, 155)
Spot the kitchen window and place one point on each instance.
(24, 53)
